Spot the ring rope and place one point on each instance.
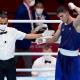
(35, 53)
(35, 69)
(34, 21)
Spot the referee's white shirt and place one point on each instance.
(40, 64)
(7, 42)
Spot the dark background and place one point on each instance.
(50, 5)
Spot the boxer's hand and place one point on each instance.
(45, 35)
(71, 5)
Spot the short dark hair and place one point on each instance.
(46, 46)
(3, 14)
(39, 1)
(62, 9)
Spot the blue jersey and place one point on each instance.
(70, 38)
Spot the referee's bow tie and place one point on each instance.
(4, 32)
(46, 61)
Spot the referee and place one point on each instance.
(8, 37)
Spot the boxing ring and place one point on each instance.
(32, 53)
(36, 69)
(34, 78)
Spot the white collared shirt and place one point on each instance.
(40, 64)
(7, 42)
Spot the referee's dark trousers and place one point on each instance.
(8, 69)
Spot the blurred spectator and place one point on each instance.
(46, 61)
(39, 13)
(23, 13)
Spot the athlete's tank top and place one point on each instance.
(70, 38)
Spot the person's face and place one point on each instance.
(39, 8)
(47, 57)
(3, 21)
(64, 16)
(30, 2)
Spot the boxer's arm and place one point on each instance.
(56, 35)
(76, 22)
